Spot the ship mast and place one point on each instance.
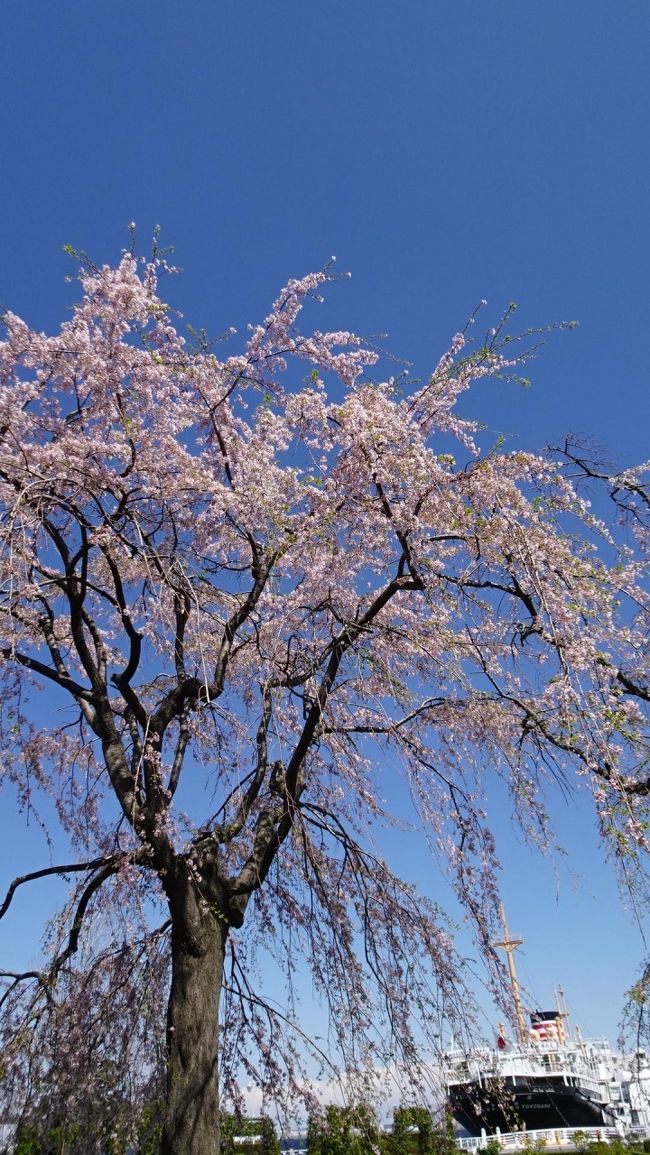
(509, 945)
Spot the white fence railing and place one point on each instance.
(557, 1139)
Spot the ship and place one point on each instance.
(547, 1087)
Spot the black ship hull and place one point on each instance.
(532, 1105)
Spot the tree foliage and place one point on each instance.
(253, 605)
(350, 1130)
(261, 1129)
(405, 1120)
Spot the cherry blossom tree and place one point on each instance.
(257, 589)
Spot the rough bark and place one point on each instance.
(191, 1125)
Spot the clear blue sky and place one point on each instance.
(445, 151)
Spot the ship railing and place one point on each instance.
(533, 1047)
(531, 1061)
(555, 1139)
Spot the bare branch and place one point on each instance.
(63, 680)
(66, 868)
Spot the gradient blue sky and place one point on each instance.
(445, 151)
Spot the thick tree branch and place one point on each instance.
(179, 755)
(123, 679)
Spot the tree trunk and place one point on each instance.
(191, 1125)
